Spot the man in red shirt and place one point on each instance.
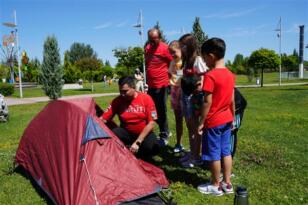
(157, 60)
(137, 115)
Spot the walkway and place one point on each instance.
(18, 101)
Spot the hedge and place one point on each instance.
(6, 89)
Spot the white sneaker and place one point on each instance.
(210, 189)
(227, 188)
(191, 163)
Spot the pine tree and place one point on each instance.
(198, 32)
(163, 37)
(51, 70)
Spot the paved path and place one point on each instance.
(18, 101)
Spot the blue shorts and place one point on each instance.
(216, 142)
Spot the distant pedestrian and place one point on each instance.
(139, 80)
(105, 80)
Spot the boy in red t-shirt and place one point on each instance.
(217, 116)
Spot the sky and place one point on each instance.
(245, 25)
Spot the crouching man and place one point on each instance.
(137, 115)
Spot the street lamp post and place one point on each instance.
(14, 25)
(279, 36)
(140, 26)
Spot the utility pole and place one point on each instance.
(141, 26)
(279, 36)
(14, 25)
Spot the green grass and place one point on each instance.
(269, 78)
(271, 159)
(87, 89)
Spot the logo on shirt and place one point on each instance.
(154, 114)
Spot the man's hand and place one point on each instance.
(134, 147)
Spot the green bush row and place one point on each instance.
(6, 89)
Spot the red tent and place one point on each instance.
(76, 159)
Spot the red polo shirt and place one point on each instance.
(134, 115)
(157, 60)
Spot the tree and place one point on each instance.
(289, 62)
(107, 63)
(198, 32)
(239, 64)
(78, 51)
(51, 70)
(130, 58)
(263, 59)
(163, 37)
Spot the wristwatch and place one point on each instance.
(138, 143)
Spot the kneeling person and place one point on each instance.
(137, 115)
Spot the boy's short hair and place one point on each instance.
(215, 46)
(129, 80)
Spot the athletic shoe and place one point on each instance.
(210, 189)
(191, 163)
(186, 157)
(162, 141)
(178, 148)
(227, 188)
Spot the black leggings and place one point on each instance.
(148, 147)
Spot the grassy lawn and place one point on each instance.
(271, 159)
(87, 89)
(100, 88)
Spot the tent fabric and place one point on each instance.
(72, 172)
(93, 131)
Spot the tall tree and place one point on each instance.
(51, 70)
(198, 32)
(130, 58)
(78, 51)
(239, 63)
(163, 37)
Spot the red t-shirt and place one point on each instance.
(134, 115)
(220, 83)
(157, 62)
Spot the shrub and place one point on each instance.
(6, 89)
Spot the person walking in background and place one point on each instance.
(157, 60)
(139, 80)
(218, 112)
(192, 96)
(137, 115)
(175, 75)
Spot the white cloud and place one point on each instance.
(172, 32)
(102, 26)
(241, 32)
(121, 24)
(224, 15)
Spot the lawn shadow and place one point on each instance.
(174, 171)
(20, 170)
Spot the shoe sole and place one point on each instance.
(210, 193)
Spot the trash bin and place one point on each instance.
(258, 81)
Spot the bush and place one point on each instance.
(6, 89)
